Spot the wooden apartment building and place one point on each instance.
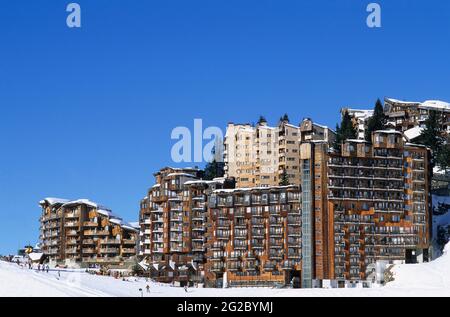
(368, 203)
(172, 220)
(254, 237)
(82, 233)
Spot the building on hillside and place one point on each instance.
(260, 156)
(172, 220)
(369, 203)
(405, 115)
(360, 120)
(81, 233)
(254, 237)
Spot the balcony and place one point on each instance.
(88, 242)
(72, 215)
(96, 233)
(110, 241)
(109, 250)
(90, 224)
(128, 251)
(74, 224)
(89, 251)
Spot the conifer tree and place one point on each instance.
(377, 122)
(345, 131)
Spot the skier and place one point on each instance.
(148, 288)
(185, 288)
(47, 268)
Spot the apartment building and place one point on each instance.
(360, 119)
(367, 204)
(254, 237)
(260, 156)
(81, 232)
(172, 220)
(406, 115)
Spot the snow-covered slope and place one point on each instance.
(428, 278)
(410, 280)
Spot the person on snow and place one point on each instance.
(148, 288)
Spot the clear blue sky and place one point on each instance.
(88, 113)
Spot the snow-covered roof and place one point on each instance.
(435, 105)
(54, 201)
(392, 100)
(135, 224)
(356, 141)
(201, 182)
(81, 202)
(428, 104)
(413, 133)
(388, 131)
(217, 191)
(361, 113)
(181, 174)
(35, 256)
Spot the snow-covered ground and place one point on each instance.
(431, 279)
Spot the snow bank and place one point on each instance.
(431, 279)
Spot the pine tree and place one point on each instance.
(286, 118)
(377, 122)
(443, 157)
(284, 179)
(262, 120)
(213, 170)
(431, 136)
(345, 131)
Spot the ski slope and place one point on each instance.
(431, 279)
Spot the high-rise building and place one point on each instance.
(254, 237)
(81, 232)
(366, 204)
(264, 156)
(172, 220)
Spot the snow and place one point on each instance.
(428, 279)
(54, 201)
(435, 105)
(388, 131)
(432, 279)
(35, 256)
(181, 174)
(391, 100)
(413, 133)
(361, 113)
(82, 202)
(243, 189)
(428, 104)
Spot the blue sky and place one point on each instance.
(87, 113)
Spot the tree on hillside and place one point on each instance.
(214, 169)
(345, 131)
(378, 121)
(431, 136)
(443, 157)
(262, 120)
